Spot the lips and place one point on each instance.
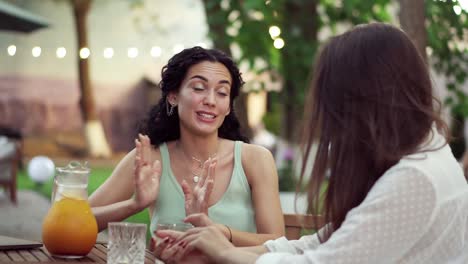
(206, 115)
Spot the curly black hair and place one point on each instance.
(162, 128)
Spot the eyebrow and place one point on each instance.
(206, 80)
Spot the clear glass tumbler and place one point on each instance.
(127, 243)
(182, 227)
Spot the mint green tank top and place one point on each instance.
(233, 209)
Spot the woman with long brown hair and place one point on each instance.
(395, 193)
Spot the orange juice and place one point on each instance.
(70, 228)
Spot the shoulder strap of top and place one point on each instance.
(165, 161)
(238, 153)
(239, 172)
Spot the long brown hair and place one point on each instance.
(370, 104)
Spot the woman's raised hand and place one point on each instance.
(146, 173)
(196, 200)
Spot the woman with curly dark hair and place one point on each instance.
(395, 193)
(191, 132)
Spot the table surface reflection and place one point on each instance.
(40, 255)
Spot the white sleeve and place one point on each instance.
(293, 246)
(391, 219)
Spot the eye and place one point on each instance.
(198, 88)
(223, 91)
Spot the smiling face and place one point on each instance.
(203, 100)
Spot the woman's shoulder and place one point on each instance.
(258, 164)
(252, 152)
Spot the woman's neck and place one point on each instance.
(201, 148)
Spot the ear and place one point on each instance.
(172, 98)
(228, 111)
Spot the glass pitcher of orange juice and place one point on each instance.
(70, 229)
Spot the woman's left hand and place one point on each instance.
(209, 240)
(196, 200)
(199, 220)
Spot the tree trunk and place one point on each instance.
(412, 19)
(94, 132)
(302, 15)
(220, 41)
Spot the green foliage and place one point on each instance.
(286, 177)
(272, 118)
(299, 21)
(445, 29)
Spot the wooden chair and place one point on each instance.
(294, 223)
(9, 161)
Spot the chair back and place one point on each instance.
(10, 157)
(294, 223)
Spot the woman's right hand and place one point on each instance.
(146, 174)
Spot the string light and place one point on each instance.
(274, 31)
(61, 52)
(155, 51)
(36, 52)
(278, 43)
(108, 53)
(11, 50)
(132, 52)
(84, 53)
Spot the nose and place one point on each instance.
(210, 98)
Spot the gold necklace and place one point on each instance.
(197, 164)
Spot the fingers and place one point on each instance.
(146, 147)
(198, 220)
(137, 153)
(188, 196)
(143, 146)
(186, 189)
(208, 170)
(172, 234)
(208, 191)
(161, 246)
(211, 174)
(157, 169)
(139, 147)
(169, 253)
(204, 173)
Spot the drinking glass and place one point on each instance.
(127, 243)
(182, 227)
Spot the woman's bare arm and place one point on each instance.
(260, 169)
(135, 174)
(112, 200)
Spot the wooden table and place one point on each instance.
(40, 255)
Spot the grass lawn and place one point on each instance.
(97, 177)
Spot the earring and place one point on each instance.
(169, 110)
